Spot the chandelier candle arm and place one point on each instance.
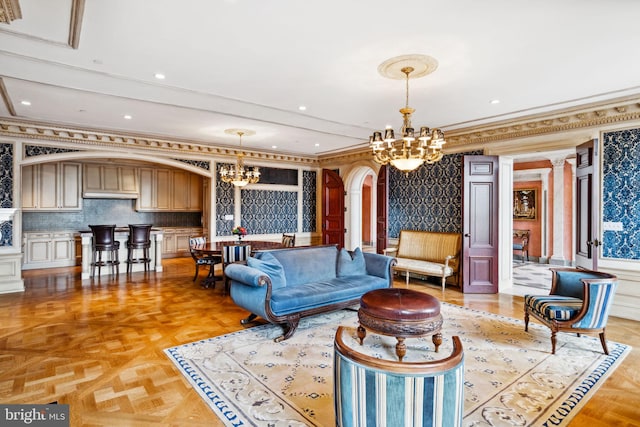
(405, 153)
(238, 175)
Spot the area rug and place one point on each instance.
(510, 376)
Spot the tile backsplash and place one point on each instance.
(106, 211)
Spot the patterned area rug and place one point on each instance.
(511, 377)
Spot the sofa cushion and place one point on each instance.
(313, 264)
(293, 299)
(269, 265)
(351, 264)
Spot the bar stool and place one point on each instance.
(139, 239)
(104, 241)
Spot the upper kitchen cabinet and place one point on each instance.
(169, 190)
(109, 181)
(52, 187)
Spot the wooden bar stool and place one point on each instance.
(139, 239)
(104, 241)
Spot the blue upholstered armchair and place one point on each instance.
(370, 391)
(579, 302)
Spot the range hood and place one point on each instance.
(108, 195)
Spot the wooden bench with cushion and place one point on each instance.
(429, 253)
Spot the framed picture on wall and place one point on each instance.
(524, 204)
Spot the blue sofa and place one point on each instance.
(284, 285)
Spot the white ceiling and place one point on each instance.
(252, 63)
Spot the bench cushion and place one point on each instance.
(419, 266)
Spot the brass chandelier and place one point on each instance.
(410, 151)
(238, 175)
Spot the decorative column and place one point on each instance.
(558, 257)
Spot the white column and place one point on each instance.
(558, 257)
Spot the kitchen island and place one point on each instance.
(121, 235)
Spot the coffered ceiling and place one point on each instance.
(254, 63)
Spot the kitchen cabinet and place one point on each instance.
(169, 190)
(52, 187)
(109, 181)
(46, 250)
(175, 241)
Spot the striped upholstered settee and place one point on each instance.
(428, 253)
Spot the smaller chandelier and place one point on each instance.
(411, 150)
(238, 175)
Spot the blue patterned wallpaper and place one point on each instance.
(621, 193)
(309, 201)
(39, 150)
(267, 212)
(224, 205)
(429, 198)
(6, 187)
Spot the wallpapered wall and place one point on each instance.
(621, 193)
(6, 189)
(267, 211)
(429, 198)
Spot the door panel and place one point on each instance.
(382, 205)
(332, 208)
(480, 225)
(587, 173)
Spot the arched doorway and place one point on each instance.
(355, 181)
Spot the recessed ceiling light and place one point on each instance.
(317, 145)
(159, 76)
(302, 108)
(274, 146)
(495, 101)
(128, 117)
(25, 102)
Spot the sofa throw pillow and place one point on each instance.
(269, 265)
(351, 264)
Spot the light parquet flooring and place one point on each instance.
(97, 346)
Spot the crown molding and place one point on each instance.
(553, 126)
(87, 138)
(9, 11)
(75, 23)
(600, 114)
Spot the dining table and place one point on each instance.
(215, 248)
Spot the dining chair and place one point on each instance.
(199, 259)
(231, 254)
(288, 240)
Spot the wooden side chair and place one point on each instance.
(579, 302)
(521, 243)
(417, 393)
(231, 254)
(199, 259)
(288, 240)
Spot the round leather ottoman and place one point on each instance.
(400, 313)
